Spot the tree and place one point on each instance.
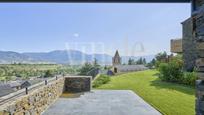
(87, 67)
(161, 55)
(48, 73)
(95, 63)
(131, 61)
(144, 61)
(151, 63)
(8, 78)
(139, 61)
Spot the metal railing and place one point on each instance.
(12, 96)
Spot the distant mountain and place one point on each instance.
(69, 57)
(7, 57)
(60, 57)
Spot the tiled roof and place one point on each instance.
(5, 89)
(130, 67)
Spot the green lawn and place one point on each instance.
(168, 98)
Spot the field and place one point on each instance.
(168, 98)
(10, 71)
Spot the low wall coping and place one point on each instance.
(78, 76)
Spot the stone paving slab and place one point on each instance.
(102, 102)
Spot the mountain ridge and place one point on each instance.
(72, 57)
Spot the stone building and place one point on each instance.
(118, 67)
(186, 45)
(198, 33)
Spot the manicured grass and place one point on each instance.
(168, 98)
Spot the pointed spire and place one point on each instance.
(117, 54)
(116, 59)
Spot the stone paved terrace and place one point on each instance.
(102, 102)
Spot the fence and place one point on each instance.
(25, 91)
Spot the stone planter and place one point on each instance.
(75, 84)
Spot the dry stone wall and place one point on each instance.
(198, 32)
(36, 101)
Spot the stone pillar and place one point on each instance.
(198, 33)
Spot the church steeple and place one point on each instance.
(117, 54)
(116, 59)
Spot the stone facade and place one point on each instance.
(35, 102)
(176, 45)
(77, 84)
(198, 33)
(189, 45)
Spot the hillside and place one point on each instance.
(72, 57)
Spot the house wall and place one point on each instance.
(189, 46)
(198, 31)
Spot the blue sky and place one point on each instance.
(133, 29)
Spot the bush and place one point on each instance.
(171, 71)
(189, 78)
(85, 69)
(100, 80)
(163, 72)
(48, 73)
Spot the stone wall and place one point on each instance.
(35, 102)
(189, 45)
(198, 32)
(176, 45)
(77, 84)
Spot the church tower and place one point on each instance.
(116, 59)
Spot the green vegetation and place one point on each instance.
(90, 69)
(168, 98)
(173, 72)
(100, 80)
(85, 69)
(139, 61)
(151, 64)
(49, 73)
(8, 71)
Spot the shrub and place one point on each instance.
(189, 78)
(48, 73)
(170, 72)
(85, 69)
(164, 72)
(100, 80)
